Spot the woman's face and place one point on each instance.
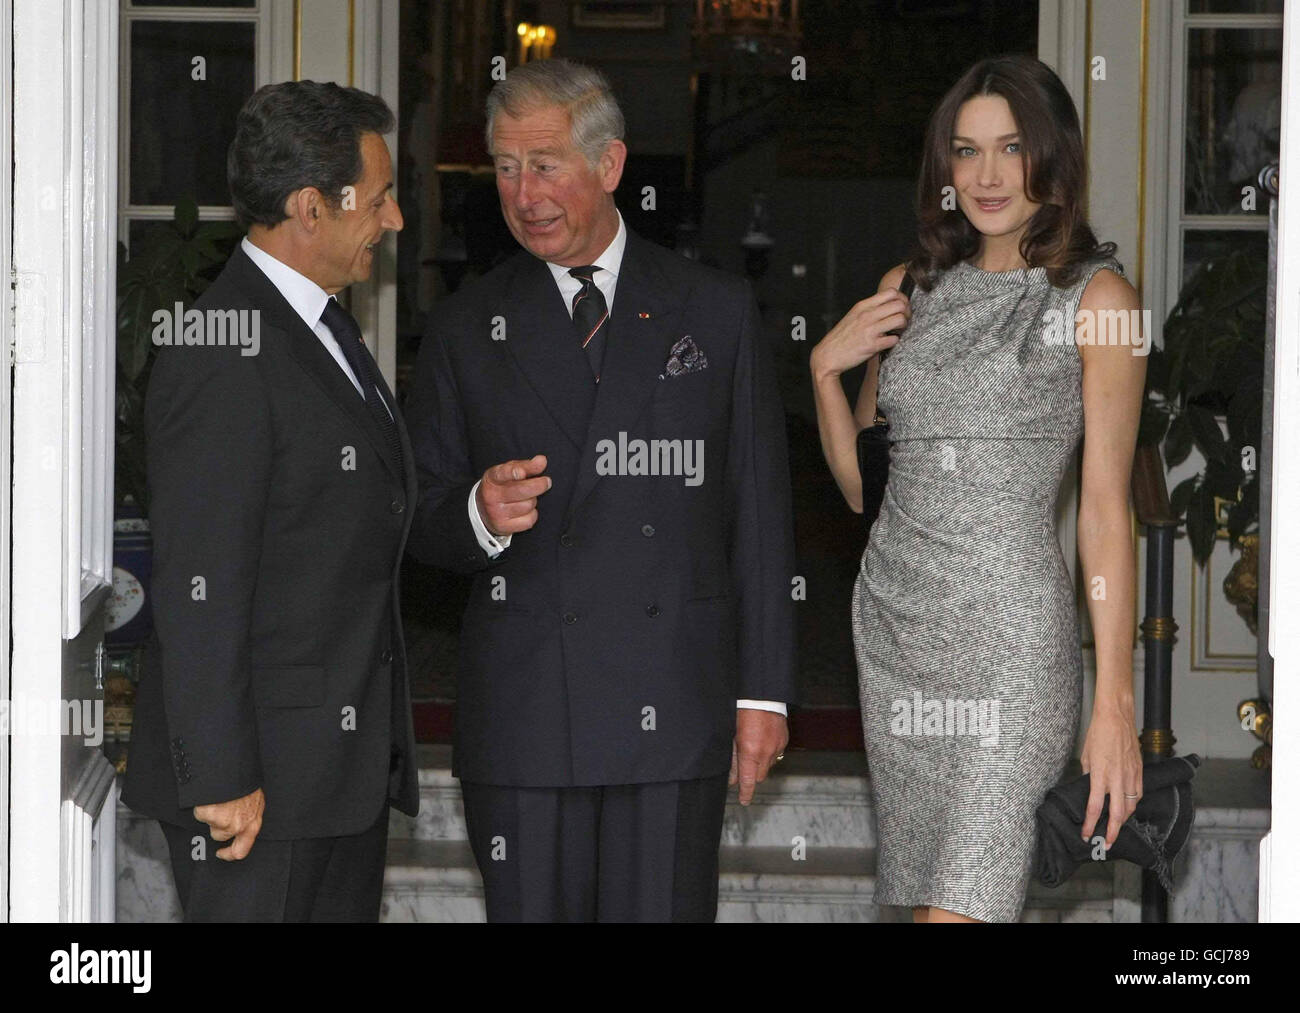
(988, 167)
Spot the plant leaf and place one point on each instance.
(1182, 493)
(1206, 432)
(186, 216)
(1201, 524)
(1178, 441)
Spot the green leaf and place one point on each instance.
(1178, 441)
(1157, 370)
(186, 216)
(1238, 519)
(1223, 479)
(1182, 493)
(1246, 410)
(1206, 432)
(191, 260)
(1201, 524)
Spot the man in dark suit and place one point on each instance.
(273, 722)
(599, 438)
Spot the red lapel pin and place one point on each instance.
(644, 316)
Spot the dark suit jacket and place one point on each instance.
(288, 673)
(627, 622)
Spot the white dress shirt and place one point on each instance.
(606, 280)
(308, 300)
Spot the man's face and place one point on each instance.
(349, 235)
(556, 205)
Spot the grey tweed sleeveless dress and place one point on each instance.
(964, 618)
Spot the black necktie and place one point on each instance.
(348, 335)
(590, 317)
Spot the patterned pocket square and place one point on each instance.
(685, 357)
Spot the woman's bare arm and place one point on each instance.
(859, 337)
(1113, 379)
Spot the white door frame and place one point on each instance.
(64, 242)
(6, 371)
(1279, 853)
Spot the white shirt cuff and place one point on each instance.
(492, 544)
(762, 705)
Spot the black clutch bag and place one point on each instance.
(1150, 838)
(873, 443)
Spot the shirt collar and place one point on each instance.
(609, 261)
(305, 297)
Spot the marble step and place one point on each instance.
(437, 881)
(820, 799)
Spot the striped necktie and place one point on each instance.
(590, 317)
(348, 335)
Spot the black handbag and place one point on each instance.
(1151, 838)
(873, 442)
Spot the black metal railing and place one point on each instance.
(1151, 501)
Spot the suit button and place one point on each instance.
(652, 610)
(648, 530)
(386, 656)
(570, 618)
(567, 540)
(396, 507)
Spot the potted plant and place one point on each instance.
(1212, 368)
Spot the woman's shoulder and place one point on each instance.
(1103, 284)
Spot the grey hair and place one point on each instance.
(582, 91)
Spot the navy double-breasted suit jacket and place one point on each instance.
(609, 643)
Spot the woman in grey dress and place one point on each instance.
(964, 617)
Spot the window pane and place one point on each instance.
(1234, 100)
(193, 3)
(139, 240)
(181, 127)
(137, 234)
(1201, 247)
(1234, 7)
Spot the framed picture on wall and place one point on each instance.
(611, 14)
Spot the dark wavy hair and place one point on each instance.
(296, 134)
(1058, 237)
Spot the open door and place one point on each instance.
(1279, 852)
(6, 378)
(62, 239)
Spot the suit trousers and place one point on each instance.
(318, 879)
(616, 853)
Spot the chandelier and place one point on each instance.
(728, 33)
(778, 19)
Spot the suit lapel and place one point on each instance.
(540, 337)
(643, 327)
(306, 348)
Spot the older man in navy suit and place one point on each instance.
(599, 439)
